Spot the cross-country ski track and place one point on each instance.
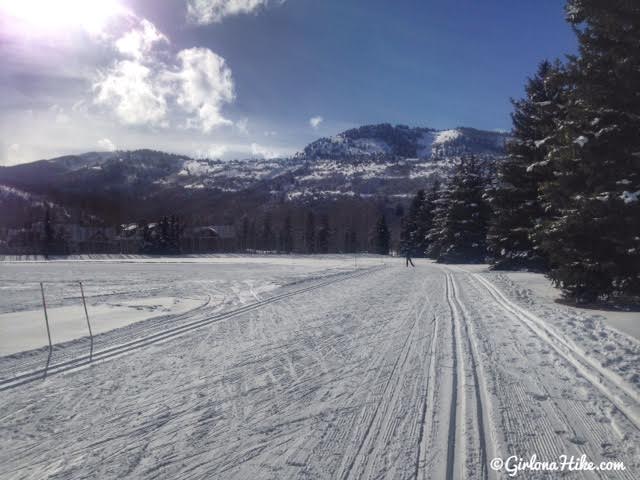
(383, 372)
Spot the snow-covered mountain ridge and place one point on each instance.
(403, 141)
(373, 160)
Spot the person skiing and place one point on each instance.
(407, 256)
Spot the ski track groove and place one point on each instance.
(428, 403)
(581, 430)
(386, 423)
(117, 351)
(453, 408)
(402, 358)
(483, 461)
(373, 373)
(577, 360)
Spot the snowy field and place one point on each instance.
(306, 367)
(121, 291)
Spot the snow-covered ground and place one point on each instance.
(536, 284)
(26, 330)
(380, 372)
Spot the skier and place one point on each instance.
(408, 258)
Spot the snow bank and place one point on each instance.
(625, 322)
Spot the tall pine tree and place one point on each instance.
(324, 234)
(310, 233)
(286, 235)
(517, 209)
(460, 225)
(382, 237)
(417, 223)
(48, 237)
(267, 235)
(593, 242)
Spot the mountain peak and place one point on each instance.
(408, 142)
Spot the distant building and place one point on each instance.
(67, 238)
(130, 238)
(209, 238)
(88, 238)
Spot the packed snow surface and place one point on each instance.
(376, 372)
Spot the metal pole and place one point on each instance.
(86, 314)
(46, 321)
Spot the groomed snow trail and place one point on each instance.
(392, 373)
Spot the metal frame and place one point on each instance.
(46, 321)
(86, 314)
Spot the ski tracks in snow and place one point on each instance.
(546, 396)
(424, 373)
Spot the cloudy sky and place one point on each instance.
(247, 78)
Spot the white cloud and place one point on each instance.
(203, 85)
(125, 73)
(212, 152)
(134, 92)
(106, 144)
(152, 89)
(140, 41)
(266, 152)
(13, 154)
(61, 118)
(60, 115)
(204, 12)
(243, 126)
(316, 121)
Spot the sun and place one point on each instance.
(52, 15)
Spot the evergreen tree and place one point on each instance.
(382, 237)
(145, 244)
(418, 222)
(593, 242)
(517, 209)
(287, 235)
(324, 233)
(61, 241)
(399, 210)
(252, 237)
(175, 234)
(460, 225)
(163, 238)
(49, 233)
(244, 234)
(267, 236)
(409, 229)
(350, 240)
(310, 233)
(435, 240)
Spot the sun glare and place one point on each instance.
(46, 15)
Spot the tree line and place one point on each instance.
(566, 199)
(312, 233)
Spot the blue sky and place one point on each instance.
(240, 78)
